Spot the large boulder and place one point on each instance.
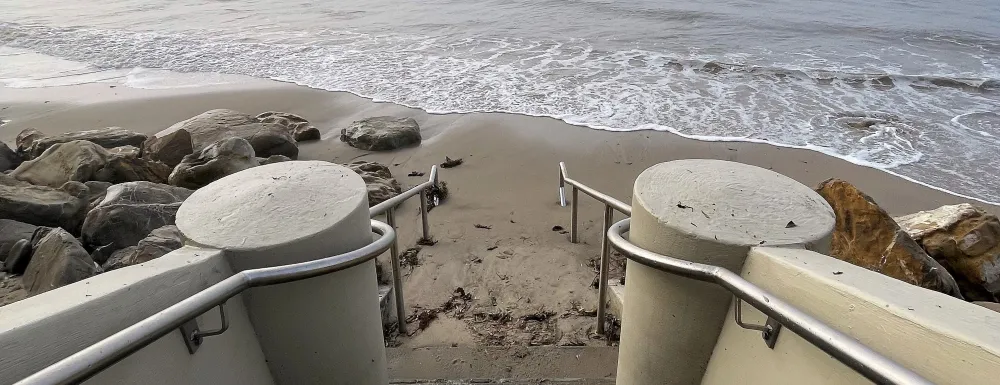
(128, 213)
(12, 231)
(966, 241)
(169, 149)
(9, 159)
(58, 260)
(227, 156)
(96, 190)
(110, 137)
(381, 185)
(865, 235)
(25, 139)
(158, 243)
(273, 159)
(125, 165)
(77, 161)
(382, 133)
(212, 126)
(296, 125)
(41, 205)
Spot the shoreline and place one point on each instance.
(508, 182)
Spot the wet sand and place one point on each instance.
(526, 283)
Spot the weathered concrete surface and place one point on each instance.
(711, 212)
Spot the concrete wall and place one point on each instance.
(39, 331)
(946, 340)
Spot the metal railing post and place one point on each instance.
(573, 217)
(397, 278)
(602, 293)
(562, 184)
(423, 214)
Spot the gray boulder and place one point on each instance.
(273, 159)
(41, 205)
(227, 156)
(25, 139)
(58, 260)
(266, 138)
(158, 243)
(96, 190)
(128, 213)
(125, 165)
(77, 161)
(110, 137)
(11, 232)
(382, 133)
(18, 257)
(9, 159)
(381, 185)
(296, 125)
(169, 149)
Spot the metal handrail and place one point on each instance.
(388, 207)
(842, 347)
(97, 357)
(609, 205)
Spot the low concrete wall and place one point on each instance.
(946, 340)
(44, 329)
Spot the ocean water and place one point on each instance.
(910, 87)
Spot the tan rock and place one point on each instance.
(110, 137)
(125, 165)
(381, 185)
(169, 149)
(63, 162)
(966, 241)
(865, 235)
(58, 260)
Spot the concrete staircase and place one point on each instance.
(583, 365)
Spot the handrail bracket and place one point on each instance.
(193, 337)
(768, 331)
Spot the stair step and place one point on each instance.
(574, 365)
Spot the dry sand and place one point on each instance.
(524, 283)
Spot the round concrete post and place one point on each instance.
(711, 212)
(323, 330)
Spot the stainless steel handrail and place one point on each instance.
(388, 207)
(842, 347)
(609, 205)
(97, 357)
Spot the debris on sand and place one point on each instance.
(415, 173)
(449, 162)
(484, 227)
(409, 257)
(436, 195)
(426, 242)
(790, 224)
(557, 228)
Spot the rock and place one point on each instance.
(18, 257)
(59, 260)
(169, 149)
(381, 184)
(158, 243)
(266, 138)
(11, 232)
(865, 235)
(125, 165)
(9, 159)
(989, 305)
(25, 139)
(41, 205)
(966, 241)
(110, 137)
(96, 190)
(296, 125)
(382, 133)
(128, 213)
(227, 156)
(77, 161)
(272, 159)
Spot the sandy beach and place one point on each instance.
(513, 267)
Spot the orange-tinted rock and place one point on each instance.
(865, 235)
(966, 241)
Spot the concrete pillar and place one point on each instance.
(323, 330)
(712, 212)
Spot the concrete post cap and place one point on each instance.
(732, 203)
(273, 205)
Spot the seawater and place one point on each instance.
(912, 88)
